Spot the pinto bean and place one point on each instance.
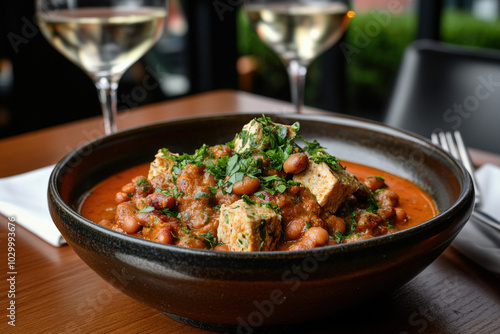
(293, 230)
(317, 235)
(387, 197)
(153, 218)
(374, 183)
(335, 224)
(142, 186)
(400, 215)
(125, 218)
(209, 180)
(220, 150)
(296, 163)
(266, 196)
(293, 190)
(313, 237)
(148, 218)
(129, 188)
(247, 186)
(368, 221)
(386, 212)
(164, 235)
(121, 197)
(160, 201)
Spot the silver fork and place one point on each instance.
(454, 144)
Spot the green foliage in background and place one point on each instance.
(374, 60)
(462, 28)
(372, 57)
(370, 68)
(371, 73)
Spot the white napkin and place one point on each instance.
(23, 197)
(480, 243)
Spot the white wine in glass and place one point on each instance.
(298, 31)
(104, 38)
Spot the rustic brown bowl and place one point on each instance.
(244, 291)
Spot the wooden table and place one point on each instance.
(55, 292)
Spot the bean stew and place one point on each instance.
(269, 189)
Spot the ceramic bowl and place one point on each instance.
(226, 290)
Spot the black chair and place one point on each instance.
(446, 87)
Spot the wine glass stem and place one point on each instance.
(297, 74)
(107, 87)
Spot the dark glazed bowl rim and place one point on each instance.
(463, 177)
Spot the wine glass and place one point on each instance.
(103, 37)
(298, 31)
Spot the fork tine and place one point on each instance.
(456, 147)
(435, 139)
(452, 146)
(443, 141)
(467, 161)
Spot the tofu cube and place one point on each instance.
(160, 170)
(252, 137)
(248, 227)
(330, 187)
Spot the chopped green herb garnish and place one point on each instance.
(170, 213)
(353, 222)
(202, 195)
(141, 182)
(389, 225)
(372, 204)
(262, 232)
(247, 199)
(208, 239)
(147, 209)
(339, 237)
(376, 177)
(208, 219)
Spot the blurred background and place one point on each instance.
(209, 45)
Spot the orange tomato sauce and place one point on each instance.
(417, 203)
(99, 203)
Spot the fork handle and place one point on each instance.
(485, 219)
